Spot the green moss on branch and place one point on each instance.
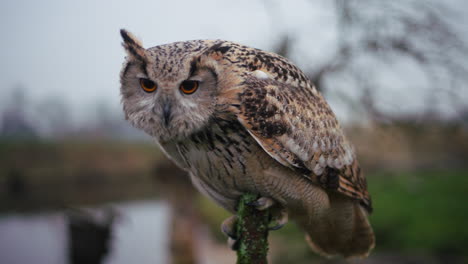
(252, 230)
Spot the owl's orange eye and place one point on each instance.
(148, 85)
(189, 86)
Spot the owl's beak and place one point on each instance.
(167, 112)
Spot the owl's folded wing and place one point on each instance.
(296, 127)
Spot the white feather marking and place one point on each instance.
(147, 101)
(190, 104)
(327, 143)
(296, 149)
(315, 147)
(318, 169)
(338, 163)
(260, 75)
(141, 75)
(323, 146)
(344, 158)
(322, 161)
(348, 158)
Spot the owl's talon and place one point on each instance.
(276, 227)
(281, 220)
(228, 227)
(233, 243)
(262, 203)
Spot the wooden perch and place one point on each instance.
(252, 231)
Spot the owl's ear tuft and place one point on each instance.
(217, 51)
(220, 48)
(133, 46)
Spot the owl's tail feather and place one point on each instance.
(343, 230)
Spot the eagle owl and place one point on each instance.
(242, 120)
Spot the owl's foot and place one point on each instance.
(281, 218)
(233, 243)
(262, 203)
(228, 227)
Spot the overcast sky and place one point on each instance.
(71, 51)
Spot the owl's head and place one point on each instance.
(169, 91)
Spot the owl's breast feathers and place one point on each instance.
(289, 119)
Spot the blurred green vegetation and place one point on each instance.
(421, 211)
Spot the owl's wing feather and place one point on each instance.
(296, 127)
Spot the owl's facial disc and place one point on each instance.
(193, 101)
(168, 97)
(186, 87)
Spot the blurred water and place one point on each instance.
(139, 236)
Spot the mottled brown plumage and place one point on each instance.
(255, 124)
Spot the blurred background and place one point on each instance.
(79, 185)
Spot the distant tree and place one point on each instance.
(108, 122)
(55, 119)
(14, 122)
(374, 36)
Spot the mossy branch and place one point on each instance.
(252, 231)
